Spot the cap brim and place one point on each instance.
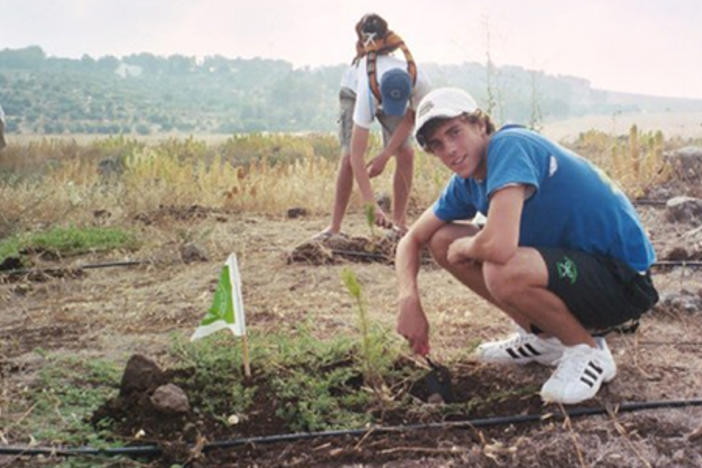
(437, 113)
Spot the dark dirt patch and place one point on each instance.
(181, 213)
(15, 342)
(482, 392)
(358, 249)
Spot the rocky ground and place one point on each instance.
(122, 311)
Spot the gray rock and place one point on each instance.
(192, 252)
(683, 209)
(170, 399)
(682, 301)
(140, 375)
(686, 164)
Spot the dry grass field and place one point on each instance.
(65, 336)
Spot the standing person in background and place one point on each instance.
(562, 253)
(388, 88)
(3, 143)
(344, 178)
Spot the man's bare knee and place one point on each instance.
(440, 242)
(438, 246)
(506, 281)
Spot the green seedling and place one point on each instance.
(369, 210)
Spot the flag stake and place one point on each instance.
(245, 355)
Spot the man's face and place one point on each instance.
(461, 146)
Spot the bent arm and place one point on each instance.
(401, 133)
(497, 242)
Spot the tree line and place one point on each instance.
(145, 93)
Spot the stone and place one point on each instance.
(683, 210)
(296, 212)
(140, 375)
(683, 301)
(170, 399)
(192, 252)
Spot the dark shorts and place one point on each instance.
(602, 292)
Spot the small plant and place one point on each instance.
(369, 210)
(372, 346)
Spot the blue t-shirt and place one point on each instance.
(573, 204)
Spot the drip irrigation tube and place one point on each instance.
(682, 263)
(154, 450)
(649, 201)
(24, 271)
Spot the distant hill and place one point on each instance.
(144, 93)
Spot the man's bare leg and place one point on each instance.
(402, 185)
(342, 194)
(518, 287)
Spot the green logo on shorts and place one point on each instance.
(567, 269)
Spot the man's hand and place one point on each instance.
(376, 165)
(412, 324)
(381, 219)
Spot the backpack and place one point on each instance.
(374, 38)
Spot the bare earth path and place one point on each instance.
(115, 312)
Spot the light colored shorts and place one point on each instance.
(347, 101)
(389, 123)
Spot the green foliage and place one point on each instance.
(322, 401)
(144, 93)
(66, 241)
(316, 384)
(63, 398)
(373, 340)
(317, 381)
(217, 386)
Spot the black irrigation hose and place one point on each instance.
(682, 263)
(154, 450)
(649, 201)
(24, 271)
(352, 253)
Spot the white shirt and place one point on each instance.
(2, 115)
(350, 77)
(366, 104)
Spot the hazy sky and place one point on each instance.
(640, 46)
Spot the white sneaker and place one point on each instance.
(522, 348)
(580, 373)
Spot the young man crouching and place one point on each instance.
(562, 253)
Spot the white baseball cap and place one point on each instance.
(442, 103)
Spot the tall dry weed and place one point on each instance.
(58, 181)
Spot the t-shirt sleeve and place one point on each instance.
(510, 162)
(454, 202)
(421, 89)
